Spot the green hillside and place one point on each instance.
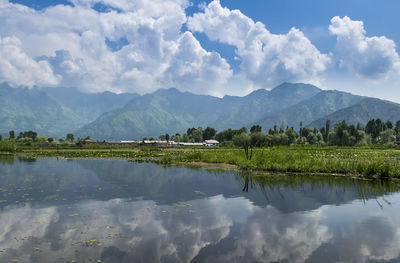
(362, 112)
(153, 114)
(170, 111)
(88, 106)
(23, 109)
(259, 103)
(53, 111)
(318, 106)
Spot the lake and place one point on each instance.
(57, 210)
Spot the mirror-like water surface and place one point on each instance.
(117, 211)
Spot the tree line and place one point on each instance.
(32, 138)
(191, 135)
(375, 131)
(342, 134)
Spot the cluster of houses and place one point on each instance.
(152, 143)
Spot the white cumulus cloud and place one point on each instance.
(67, 46)
(16, 67)
(191, 64)
(266, 58)
(372, 58)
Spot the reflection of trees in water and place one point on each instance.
(82, 179)
(366, 189)
(7, 159)
(10, 159)
(26, 159)
(246, 184)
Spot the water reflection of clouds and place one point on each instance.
(270, 236)
(370, 234)
(121, 230)
(373, 238)
(124, 229)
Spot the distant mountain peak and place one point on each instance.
(173, 90)
(290, 86)
(257, 92)
(169, 91)
(362, 112)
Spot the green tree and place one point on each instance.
(369, 128)
(397, 126)
(185, 137)
(291, 134)
(312, 138)
(320, 138)
(258, 139)
(25, 140)
(11, 135)
(176, 137)
(41, 139)
(255, 128)
(70, 137)
(284, 139)
(197, 135)
(225, 135)
(276, 139)
(167, 137)
(209, 133)
(327, 128)
(50, 139)
(244, 140)
(374, 128)
(190, 131)
(270, 132)
(387, 136)
(269, 140)
(344, 135)
(362, 138)
(301, 129)
(282, 127)
(389, 125)
(27, 134)
(301, 140)
(7, 146)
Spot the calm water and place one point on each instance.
(117, 211)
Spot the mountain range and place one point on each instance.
(53, 111)
(109, 116)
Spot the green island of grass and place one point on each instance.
(362, 162)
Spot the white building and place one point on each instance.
(211, 143)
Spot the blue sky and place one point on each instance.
(355, 52)
(313, 18)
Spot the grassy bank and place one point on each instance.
(363, 162)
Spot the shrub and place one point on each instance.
(7, 146)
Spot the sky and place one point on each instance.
(205, 47)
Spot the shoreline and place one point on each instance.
(288, 161)
(231, 167)
(360, 163)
